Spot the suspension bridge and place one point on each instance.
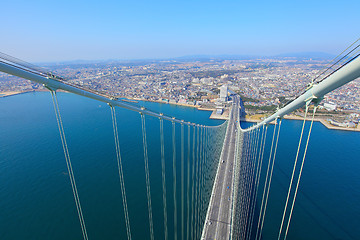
(228, 210)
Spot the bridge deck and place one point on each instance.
(218, 219)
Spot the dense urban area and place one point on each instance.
(263, 83)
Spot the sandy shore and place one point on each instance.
(12, 93)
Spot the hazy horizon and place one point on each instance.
(42, 31)
(194, 57)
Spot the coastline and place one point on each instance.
(323, 122)
(224, 116)
(253, 119)
(177, 104)
(257, 118)
(13, 93)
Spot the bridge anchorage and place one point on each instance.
(218, 195)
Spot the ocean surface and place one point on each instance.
(36, 200)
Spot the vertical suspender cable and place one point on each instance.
(182, 181)
(256, 160)
(200, 179)
(174, 179)
(188, 185)
(270, 178)
(206, 171)
(258, 230)
(238, 194)
(241, 182)
(68, 164)
(146, 161)
(249, 182)
(163, 177)
(198, 162)
(202, 185)
(254, 164)
(301, 168)
(244, 183)
(257, 178)
(193, 184)
(236, 220)
(293, 172)
(196, 182)
(120, 171)
(254, 181)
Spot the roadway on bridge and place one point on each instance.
(218, 219)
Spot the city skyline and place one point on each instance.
(41, 31)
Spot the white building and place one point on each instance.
(330, 106)
(219, 110)
(223, 93)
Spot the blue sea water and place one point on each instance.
(327, 202)
(36, 200)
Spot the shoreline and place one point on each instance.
(13, 93)
(254, 119)
(214, 116)
(321, 120)
(177, 104)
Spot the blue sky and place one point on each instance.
(68, 30)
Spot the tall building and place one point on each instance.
(223, 93)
